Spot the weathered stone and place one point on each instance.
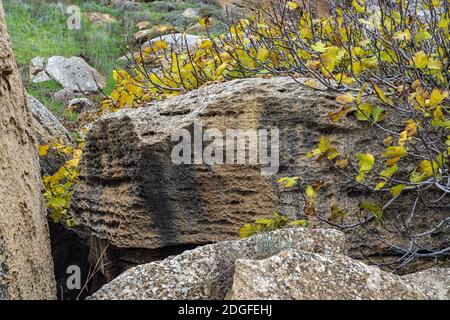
(40, 77)
(48, 129)
(177, 41)
(26, 266)
(74, 74)
(97, 18)
(65, 95)
(37, 64)
(131, 194)
(199, 28)
(46, 126)
(156, 31)
(301, 275)
(433, 282)
(79, 105)
(142, 25)
(191, 13)
(207, 272)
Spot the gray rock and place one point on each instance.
(26, 264)
(37, 64)
(48, 129)
(177, 40)
(301, 275)
(74, 74)
(207, 272)
(65, 95)
(80, 104)
(433, 282)
(143, 35)
(40, 77)
(191, 13)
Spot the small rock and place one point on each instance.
(74, 74)
(65, 95)
(37, 64)
(143, 35)
(97, 18)
(177, 40)
(198, 28)
(41, 76)
(191, 13)
(79, 105)
(142, 25)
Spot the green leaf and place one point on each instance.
(374, 208)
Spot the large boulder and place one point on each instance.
(26, 266)
(433, 282)
(132, 195)
(48, 129)
(207, 272)
(301, 275)
(74, 74)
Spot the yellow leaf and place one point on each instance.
(381, 94)
(206, 44)
(338, 114)
(366, 162)
(358, 6)
(435, 64)
(396, 190)
(288, 182)
(43, 150)
(403, 35)
(420, 60)
(345, 98)
(394, 152)
(310, 192)
(437, 96)
(205, 22)
(291, 5)
(319, 47)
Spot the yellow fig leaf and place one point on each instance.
(288, 182)
(396, 190)
(394, 152)
(420, 60)
(345, 98)
(437, 96)
(43, 150)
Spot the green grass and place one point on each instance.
(38, 28)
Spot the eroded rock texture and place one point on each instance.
(301, 275)
(133, 197)
(207, 272)
(26, 267)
